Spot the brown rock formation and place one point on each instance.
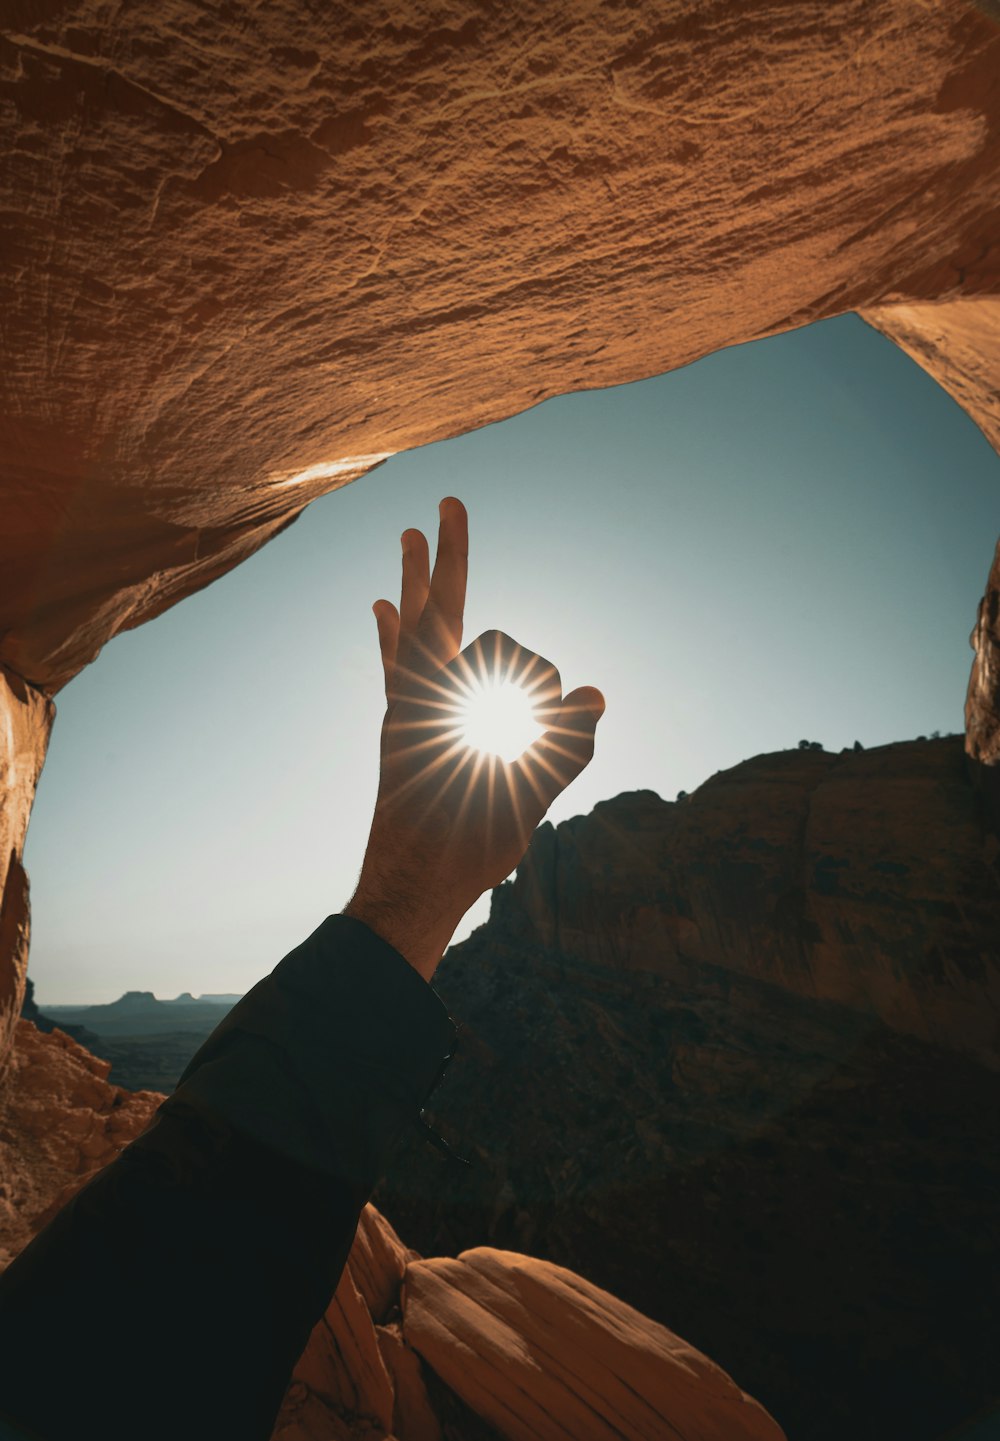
(60, 1121)
(866, 878)
(247, 261)
(25, 722)
(982, 705)
(666, 1084)
(544, 1355)
(498, 1345)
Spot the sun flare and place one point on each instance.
(497, 718)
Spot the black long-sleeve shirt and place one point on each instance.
(173, 1295)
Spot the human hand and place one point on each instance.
(451, 822)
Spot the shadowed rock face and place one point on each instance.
(866, 878)
(246, 261)
(791, 1162)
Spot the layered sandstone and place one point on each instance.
(544, 1355)
(496, 1344)
(25, 723)
(60, 1121)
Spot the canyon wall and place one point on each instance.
(867, 878)
(25, 724)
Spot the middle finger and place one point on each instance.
(416, 580)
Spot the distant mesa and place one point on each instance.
(139, 1013)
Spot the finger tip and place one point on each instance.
(589, 698)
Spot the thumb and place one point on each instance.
(558, 756)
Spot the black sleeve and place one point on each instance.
(174, 1294)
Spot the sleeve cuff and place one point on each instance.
(329, 1056)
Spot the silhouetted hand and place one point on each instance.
(451, 821)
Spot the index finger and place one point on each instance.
(446, 599)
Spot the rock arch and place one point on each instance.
(247, 261)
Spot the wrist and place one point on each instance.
(419, 931)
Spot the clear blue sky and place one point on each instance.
(787, 539)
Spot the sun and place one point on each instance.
(497, 717)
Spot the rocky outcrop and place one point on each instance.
(497, 1345)
(543, 1355)
(383, 1361)
(866, 878)
(246, 262)
(60, 1121)
(665, 1085)
(90, 1040)
(25, 723)
(982, 706)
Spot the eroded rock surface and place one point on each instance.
(726, 1059)
(245, 261)
(543, 1355)
(60, 1121)
(25, 723)
(982, 706)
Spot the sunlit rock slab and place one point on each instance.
(543, 1355)
(244, 263)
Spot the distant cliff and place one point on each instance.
(868, 878)
(734, 1059)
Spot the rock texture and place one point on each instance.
(25, 722)
(982, 706)
(865, 878)
(60, 1121)
(246, 261)
(497, 1345)
(664, 1084)
(546, 1356)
